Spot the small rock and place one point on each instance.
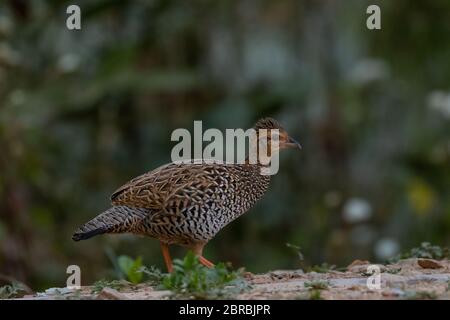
(357, 263)
(356, 288)
(286, 274)
(394, 292)
(316, 275)
(56, 291)
(362, 267)
(392, 279)
(429, 264)
(111, 294)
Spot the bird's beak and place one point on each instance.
(293, 144)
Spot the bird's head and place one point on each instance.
(272, 129)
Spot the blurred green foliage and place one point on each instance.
(131, 268)
(82, 112)
(317, 285)
(99, 285)
(425, 250)
(191, 279)
(14, 290)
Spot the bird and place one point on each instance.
(187, 204)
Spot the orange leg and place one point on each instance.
(198, 251)
(205, 262)
(166, 256)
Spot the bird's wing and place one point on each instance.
(167, 189)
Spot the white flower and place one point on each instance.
(357, 210)
(386, 248)
(440, 101)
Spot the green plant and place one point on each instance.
(153, 274)
(14, 290)
(394, 270)
(322, 268)
(131, 268)
(297, 250)
(103, 283)
(76, 295)
(315, 295)
(191, 279)
(317, 284)
(425, 250)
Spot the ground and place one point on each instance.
(406, 279)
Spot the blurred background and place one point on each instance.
(82, 112)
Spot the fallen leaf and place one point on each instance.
(358, 263)
(429, 264)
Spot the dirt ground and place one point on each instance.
(406, 279)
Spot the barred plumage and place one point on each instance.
(185, 204)
(117, 219)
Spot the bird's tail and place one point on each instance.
(118, 219)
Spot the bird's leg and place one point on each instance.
(166, 256)
(205, 262)
(198, 251)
